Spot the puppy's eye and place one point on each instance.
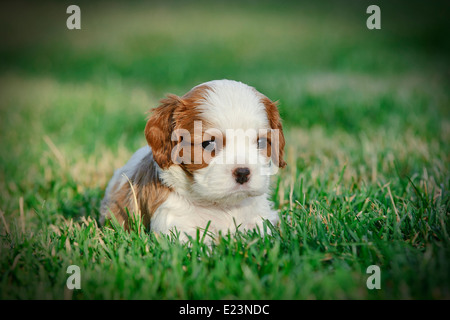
(262, 143)
(209, 145)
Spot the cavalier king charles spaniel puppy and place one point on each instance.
(208, 163)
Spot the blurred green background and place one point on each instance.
(372, 103)
(319, 60)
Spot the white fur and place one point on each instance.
(234, 105)
(178, 214)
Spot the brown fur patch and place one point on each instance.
(178, 113)
(150, 194)
(275, 123)
(159, 128)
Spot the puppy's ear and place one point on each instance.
(159, 128)
(277, 139)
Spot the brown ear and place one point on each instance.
(159, 128)
(277, 140)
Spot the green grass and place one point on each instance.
(366, 117)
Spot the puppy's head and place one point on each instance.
(219, 143)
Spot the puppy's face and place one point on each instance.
(219, 143)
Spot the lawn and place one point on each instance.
(367, 123)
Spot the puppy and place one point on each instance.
(208, 162)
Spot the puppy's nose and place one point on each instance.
(241, 175)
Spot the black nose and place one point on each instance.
(241, 175)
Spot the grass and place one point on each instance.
(367, 125)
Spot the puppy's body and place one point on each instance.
(164, 210)
(136, 187)
(174, 193)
